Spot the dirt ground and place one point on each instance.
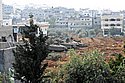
(105, 45)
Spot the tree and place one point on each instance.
(117, 66)
(29, 65)
(89, 69)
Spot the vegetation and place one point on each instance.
(29, 63)
(54, 56)
(90, 68)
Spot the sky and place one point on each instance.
(92, 4)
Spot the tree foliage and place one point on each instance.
(29, 56)
(92, 68)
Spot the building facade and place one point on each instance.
(7, 11)
(112, 24)
(1, 15)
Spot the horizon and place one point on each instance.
(114, 5)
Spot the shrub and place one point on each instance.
(88, 69)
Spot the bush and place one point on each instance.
(91, 68)
(88, 69)
(54, 56)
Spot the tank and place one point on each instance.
(57, 48)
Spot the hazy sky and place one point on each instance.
(92, 4)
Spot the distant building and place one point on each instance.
(1, 15)
(6, 32)
(17, 30)
(43, 26)
(113, 21)
(61, 24)
(96, 22)
(7, 22)
(7, 11)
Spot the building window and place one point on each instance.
(112, 19)
(112, 24)
(106, 19)
(6, 23)
(118, 19)
(106, 25)
(118, 24)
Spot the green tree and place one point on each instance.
(117, 66)
(29, 65)
(89, 69)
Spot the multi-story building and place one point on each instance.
(7, 11)
(96, 22)
(110, 22)
(61, 24)
(83, 22)
(17, 29)
(1, 15)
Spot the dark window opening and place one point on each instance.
(106, 24)
(118, 19)
(106, 19)
(112, 24)
(118, 24)
(112, 19)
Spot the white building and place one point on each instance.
(1, 17)
(111, 22)
(7, 22)
(43, 26)
(7, 11)
(17, 29)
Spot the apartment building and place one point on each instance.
(7, 11)
(1, 17)
(112, 23)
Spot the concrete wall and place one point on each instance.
(6, 58)
(6, 31)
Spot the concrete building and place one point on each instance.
(6, 33)
(17, 29)
(83, 22)
(7, 11)
(1, 15)
(44, 27)
(110, 22)
(7, 22)
(61, 24)
(96, 22)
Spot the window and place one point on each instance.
(112, 24)
(106, 19)
(118, 24)
(6, 23)
(106, 25)
(118, 19)
(112, 19)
